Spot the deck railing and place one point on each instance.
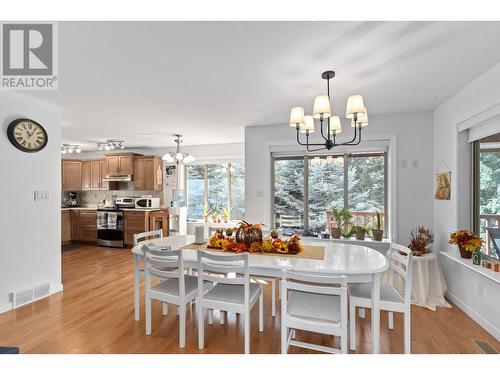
(492, 221)
(363, 218)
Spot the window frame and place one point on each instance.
(346, 156)
(227, 165)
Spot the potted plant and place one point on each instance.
(341, 218)
(420, 238)
(359, 231)
(226, 212)
(377, 231)
(206, 211)
(467, 242)
(214, 212)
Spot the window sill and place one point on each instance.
(490, 274)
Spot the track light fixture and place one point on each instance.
(69, 149)
(110, 145)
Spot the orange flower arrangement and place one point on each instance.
(229, 243)
(466, 240)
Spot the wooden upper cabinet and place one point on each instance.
(148, 174)
(139, 174)
(113, 164)
(126, 163)
(104, 171)
(71, 175)
(86, 175)
(121, 164)
(95, 175)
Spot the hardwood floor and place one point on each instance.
(95, 314)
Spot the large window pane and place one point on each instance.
(237, 191)
(326, 188)
(217, 185)
(289, 193)
(366, 180)
(489, 187)
(195, 191)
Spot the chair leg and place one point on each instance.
(284, 336)
(164, 308)
(362, 312)
(261, 310)
(273, 296)
(247, 332)
(352, 325)
(136, 288)
(182, 326)
(390, 319)
(210, 316)
(407, 332)
(148, 315)
(222, 317)
(201, 327)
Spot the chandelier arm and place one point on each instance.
(321, 128)
(317, 149)
(353, 143)
(298, 140)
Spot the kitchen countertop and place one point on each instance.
(123, 209)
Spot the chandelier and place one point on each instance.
(304, 124)
(178, 156)
(110, 145)
(69, 149)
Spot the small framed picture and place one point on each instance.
(443, 186)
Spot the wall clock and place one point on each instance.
(27, 135)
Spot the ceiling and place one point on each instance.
(143, 81)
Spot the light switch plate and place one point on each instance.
(404, 163)
(414, 163)
(41, 195)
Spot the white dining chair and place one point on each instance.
(177, 288)
(139, 272)
(400, 265)
(314, 303)
(234, 294)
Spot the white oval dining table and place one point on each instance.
(359, 264)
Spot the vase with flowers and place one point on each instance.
(467, 242)
(420, 238)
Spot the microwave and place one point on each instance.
(147, 202)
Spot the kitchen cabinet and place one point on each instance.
(71, 175)
(95, 175)
(88, 226)
(148, 173)
(159, 220)
(139, 174)
(103, 165)
(120, 164)
(75, 225)
(134, 222)
(65, 226)
(86, 175)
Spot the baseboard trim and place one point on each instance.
(492, 330)
(57, 288)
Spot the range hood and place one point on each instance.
(118, 178)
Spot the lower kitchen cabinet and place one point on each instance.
(134, 222)
(79, 226)
(65, 226)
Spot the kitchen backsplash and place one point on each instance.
(92, 197)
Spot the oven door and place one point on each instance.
(110, 228)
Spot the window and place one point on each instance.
(486, 188)
(217, 186)
(306, 187)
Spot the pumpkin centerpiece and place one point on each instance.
(249, 233)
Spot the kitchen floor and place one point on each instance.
(95, 314)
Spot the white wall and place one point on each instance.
(412, 136)
(476, 295)
(31, 231)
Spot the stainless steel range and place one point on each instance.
(110, 228)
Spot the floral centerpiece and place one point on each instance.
(248, 237)
(420, 238)
(467, 242)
